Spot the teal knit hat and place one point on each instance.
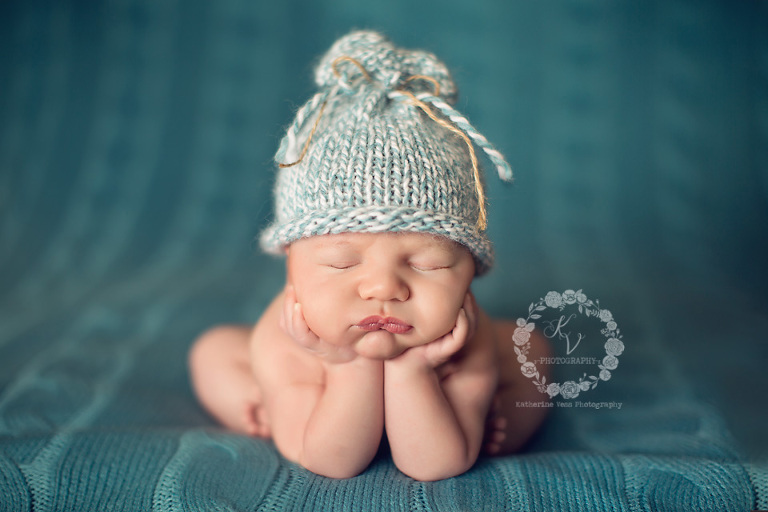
(380, 149)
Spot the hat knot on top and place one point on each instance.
(387, 66)
(379, 148)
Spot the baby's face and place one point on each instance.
(381, 293)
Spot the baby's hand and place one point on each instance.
(439, 351)
(293, 323)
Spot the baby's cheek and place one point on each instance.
(320, 318)
(441, 314)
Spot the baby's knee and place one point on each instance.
(217, 342)
(205, 343)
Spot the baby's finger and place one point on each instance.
(301, 331)
(286, 318)
(470, 308)
(298, 326)
(454, 340)
(461, 330)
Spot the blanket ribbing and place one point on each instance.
(135, 148)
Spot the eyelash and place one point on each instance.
(341, 266)
(414, 265)
(427, 268)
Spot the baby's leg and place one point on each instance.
(221, 375)
(509, 427)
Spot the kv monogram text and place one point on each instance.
(554, 328)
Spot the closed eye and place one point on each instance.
(342, 265)
(428, 266)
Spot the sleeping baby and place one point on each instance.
(380, 213)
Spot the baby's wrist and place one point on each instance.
(356, 371)
(410, 363)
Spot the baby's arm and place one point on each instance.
(329, 420)
(435, 425)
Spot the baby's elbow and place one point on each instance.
(334, 464)
(437, 472)
(328, 460)
(342, 474)
(335, 471)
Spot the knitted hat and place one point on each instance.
(380, 149)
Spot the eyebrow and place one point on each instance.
(429, 242)
(441, 242)
(334, 243)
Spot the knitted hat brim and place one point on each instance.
(369, 219)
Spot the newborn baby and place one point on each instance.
(380, 213)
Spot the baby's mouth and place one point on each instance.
(390, 324)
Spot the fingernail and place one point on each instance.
(297, 309)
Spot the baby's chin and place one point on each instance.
(380, 345)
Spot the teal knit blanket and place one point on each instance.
(136, 143)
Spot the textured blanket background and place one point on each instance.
(136, 139)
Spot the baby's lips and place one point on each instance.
(390, 324)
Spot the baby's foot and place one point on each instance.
(495, 430)
(495, 436)
(255, 421)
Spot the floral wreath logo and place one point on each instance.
(614, 347)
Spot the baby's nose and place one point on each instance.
(384, 286)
